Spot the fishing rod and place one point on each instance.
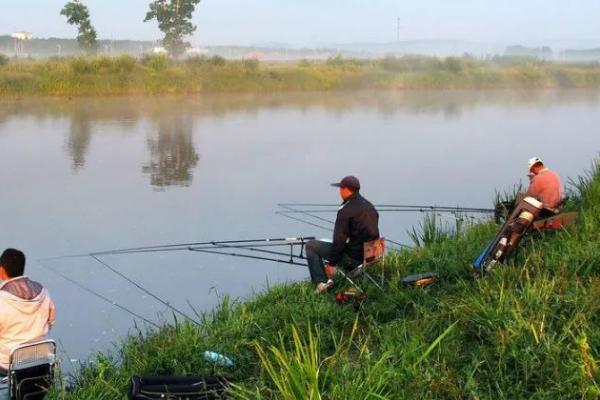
(385, 206)
(286, 215)
(389, 207)
(423, 210)
(186, 246)
(259, 248)
(308, 213)
(211, 247)
(143, 289)
(289, 210)
(454, 211)
(98, 295)
(454, 217)
(264, 246)
(231, 254)
(439, 212)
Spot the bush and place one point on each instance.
(392, 64)
(251, 64)
(3, 59)
(564, 79)
(123, 64)
(453, 64)
(217, 61)
(157, 62)
(103, 62)
(409, 64)
(340, 61)
(197, 61)
(337, 61)
(82, 66)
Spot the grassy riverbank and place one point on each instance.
(126, 75)
(529, 330)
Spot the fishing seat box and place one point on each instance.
(178, 387)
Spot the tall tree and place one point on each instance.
(174, 20)
(79, 15)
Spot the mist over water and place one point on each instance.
(82, 175)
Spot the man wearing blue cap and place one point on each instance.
(356, 223)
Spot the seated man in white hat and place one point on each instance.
(545, 185)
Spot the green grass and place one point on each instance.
(159, 75)
(530, 329)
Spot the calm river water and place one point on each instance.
(79, 175)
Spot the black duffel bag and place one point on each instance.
(178, 387)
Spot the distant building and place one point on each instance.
(159, 50)
(19, 41)
(21, 35)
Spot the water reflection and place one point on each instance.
(79, 137)
(172, 153)
(446, 103)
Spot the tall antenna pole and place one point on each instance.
(398, 30)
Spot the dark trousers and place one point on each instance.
(316, 252)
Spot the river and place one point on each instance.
(81, 175)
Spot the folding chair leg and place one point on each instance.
(346, 277)
(373, 280)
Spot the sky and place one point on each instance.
(311, 22)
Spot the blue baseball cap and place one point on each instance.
(350, 182)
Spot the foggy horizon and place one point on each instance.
(314, 23)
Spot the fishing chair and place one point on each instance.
(30, 371)
(373, 253)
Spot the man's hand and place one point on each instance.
(330, 270)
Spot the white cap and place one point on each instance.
(533, 161)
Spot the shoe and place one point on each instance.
(322, 287)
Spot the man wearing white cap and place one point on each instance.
(545, 184)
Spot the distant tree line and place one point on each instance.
(48, 47)
(173, 17)
(541, 53)
(546, 53)
(581, 55)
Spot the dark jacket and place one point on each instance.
(357, 222)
